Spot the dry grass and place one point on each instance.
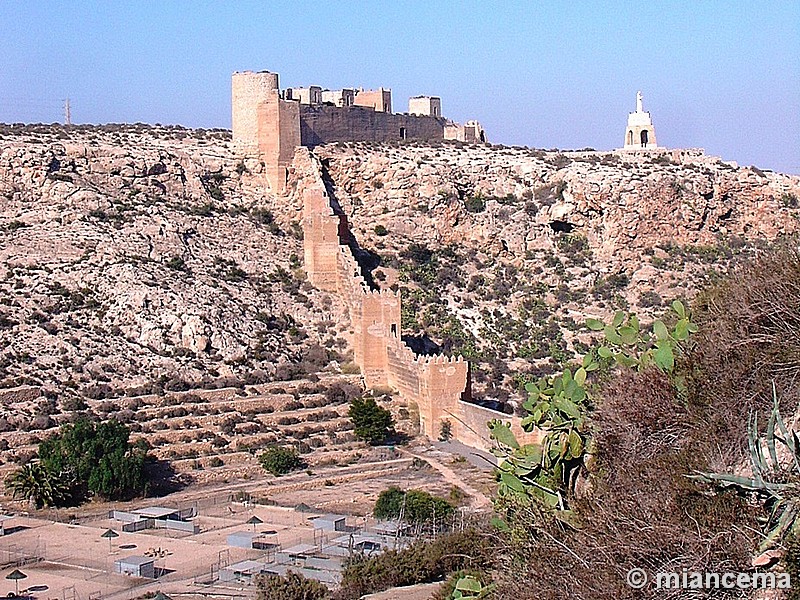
(640, 510)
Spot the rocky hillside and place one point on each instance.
(137, 258)
(502, 252)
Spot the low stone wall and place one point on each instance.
(469, 426)
(23, 393)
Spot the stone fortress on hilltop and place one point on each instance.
(274, 122)
(282, 127)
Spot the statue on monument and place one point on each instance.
(638, 102)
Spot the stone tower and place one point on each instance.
(264, 123)
(425, 105)
(248, 91)
(640, 133)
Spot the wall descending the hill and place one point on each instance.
(439, 385)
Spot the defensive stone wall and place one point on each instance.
(472, 421)
(471, 132)
(273, 124)
(278, 135)
(439, 385)
(321, 124)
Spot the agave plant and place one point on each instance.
(777, 483)
(468, 587)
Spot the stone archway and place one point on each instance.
(643, 137)
(630, 137)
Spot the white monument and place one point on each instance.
(640, 133)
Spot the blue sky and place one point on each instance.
(722, 75)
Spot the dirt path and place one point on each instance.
(478, 500)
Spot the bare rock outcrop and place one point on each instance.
(501, 253)
(134, 256)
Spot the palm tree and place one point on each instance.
(36, 484)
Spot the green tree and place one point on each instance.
(292, 586)
(413, 506)
(389, 503)
(373, 424)
(421, 507)
(97, 458)
(279, 460)
(37, 485)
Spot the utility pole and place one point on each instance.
(67, 116)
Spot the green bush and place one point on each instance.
(445, 430)
(14, 225)
(176, 263)
(96, 459)
(790, 200)
(372, 423)
(293, 586)
(279, 460)
(413, 506)
(474, 204)
(422, 562)
(381, 230)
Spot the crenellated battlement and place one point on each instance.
(274, 122)
(382, 293)
(438, 384)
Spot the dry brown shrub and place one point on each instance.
(640, 509)
(749, 336)
(653, 421)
